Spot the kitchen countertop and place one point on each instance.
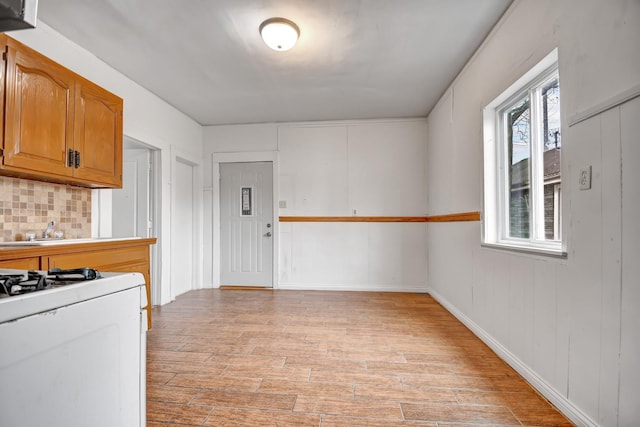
(15, 252)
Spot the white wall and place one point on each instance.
(147, 119)
(571, 326)
(331, 169)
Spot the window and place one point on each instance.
(522, 148)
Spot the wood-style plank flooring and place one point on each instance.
(305, 358)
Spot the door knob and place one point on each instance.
(268, 234)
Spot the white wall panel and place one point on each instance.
(599, 49)
(386, 168)
(285, 253)
(520, 310)
(329, 255)
(354, 256)
(585, 251)
(183, 226)
(396, 254)
(466, 155)
(450, 245)
(564, 327)
(440, 161)
(232, 138)
(610, 291)
(545, 317)
(630, 319)
(495, 311)
(313, 170)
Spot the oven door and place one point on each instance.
(78, 365)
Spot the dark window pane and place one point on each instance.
(549, 211)
(519, 213)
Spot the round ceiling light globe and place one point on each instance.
(279, 34)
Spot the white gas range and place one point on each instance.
(72, 352)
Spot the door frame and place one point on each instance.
(101, 214)
(242, 157)
(178, 155)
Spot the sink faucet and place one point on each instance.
(49, 229)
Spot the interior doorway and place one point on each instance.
(246, 224)
(132, 204)
(136, 206)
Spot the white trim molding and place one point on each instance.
(605, 105)
(179, 155)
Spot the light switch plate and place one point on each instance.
(585, 178)
(282, 204)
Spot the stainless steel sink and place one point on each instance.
(53, 242)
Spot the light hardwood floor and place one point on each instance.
(304, 358)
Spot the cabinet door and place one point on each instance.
(38, 113)
(22, 263)
(98, 135)
(117, 259)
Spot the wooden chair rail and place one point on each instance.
(455, 217)
(353, 219)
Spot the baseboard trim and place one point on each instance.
(564, 405)
(350, 288)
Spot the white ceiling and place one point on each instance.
(356, 59)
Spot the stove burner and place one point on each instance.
(18, 284)
(75, 274)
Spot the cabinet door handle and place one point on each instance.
(77, 159)
(70, 158)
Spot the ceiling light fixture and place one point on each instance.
(279, 34)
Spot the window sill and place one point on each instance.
(530, 250)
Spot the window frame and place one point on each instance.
(496, 198)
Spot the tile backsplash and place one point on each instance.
(30, 205)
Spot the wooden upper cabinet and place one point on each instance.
(98, 134)
(38, 113)
(57, 126)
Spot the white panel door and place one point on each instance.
(246, 224)
(182, 226)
